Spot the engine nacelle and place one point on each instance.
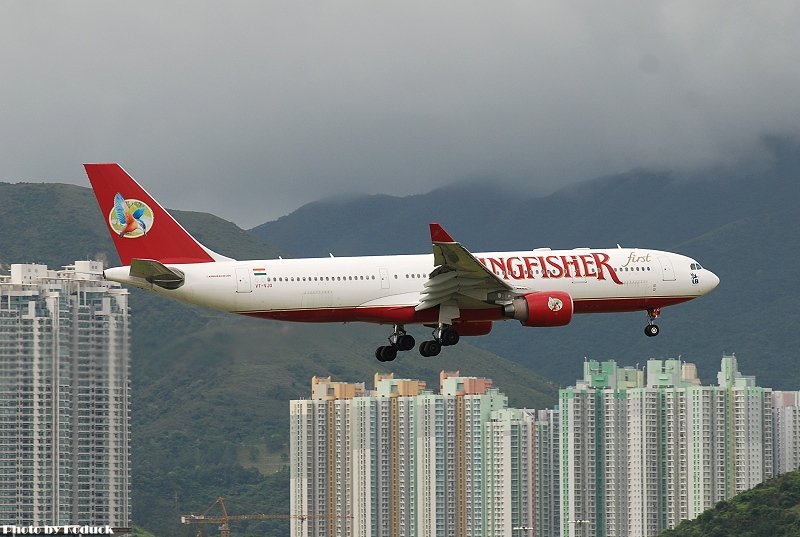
(542, 308)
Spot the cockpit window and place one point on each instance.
(695, 266)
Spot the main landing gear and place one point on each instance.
(398, 341)
(651, 329)
(443, 336)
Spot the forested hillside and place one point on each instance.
(740, 223)
(771, 509)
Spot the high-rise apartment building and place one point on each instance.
(786, 431)
(396, 461)
(637, 458)
(626, 453)
(64, 397)
(509, 477)
(546, 468)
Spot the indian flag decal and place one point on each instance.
(259, 272)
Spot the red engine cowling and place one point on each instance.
(542, 308)
(473, 328)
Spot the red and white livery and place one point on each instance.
(453, 291)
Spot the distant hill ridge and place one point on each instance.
(740, 223)
(55, 224)
(638, 208)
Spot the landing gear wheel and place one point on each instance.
(386, 353)
(405, 342)
(389, 353)
(651, 329)
(400, 340)
(449, 337)
(430, 348)
(423, 349)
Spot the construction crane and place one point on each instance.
(225, 519)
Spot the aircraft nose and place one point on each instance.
(712, 281)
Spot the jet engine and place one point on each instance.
(541, 308)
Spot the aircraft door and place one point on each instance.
(243, 280)
(667, 271)
(384, 277)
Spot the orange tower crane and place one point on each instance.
(225, 519)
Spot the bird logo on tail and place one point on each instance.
(130, 218)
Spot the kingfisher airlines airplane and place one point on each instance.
(453, 291)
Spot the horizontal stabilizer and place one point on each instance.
(156, 273)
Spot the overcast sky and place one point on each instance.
(250, 109)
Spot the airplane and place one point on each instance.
(451, 290)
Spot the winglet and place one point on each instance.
(438, 234)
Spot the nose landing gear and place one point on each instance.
(652, 329)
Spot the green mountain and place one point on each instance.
(771, 508)
(742, 224)
(210, 391)
(640, 208)
(55, 224)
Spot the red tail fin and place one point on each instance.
(140, 227)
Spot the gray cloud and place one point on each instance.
(249, 109)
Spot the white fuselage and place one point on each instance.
(385, 289)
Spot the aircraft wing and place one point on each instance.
(459, 279)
